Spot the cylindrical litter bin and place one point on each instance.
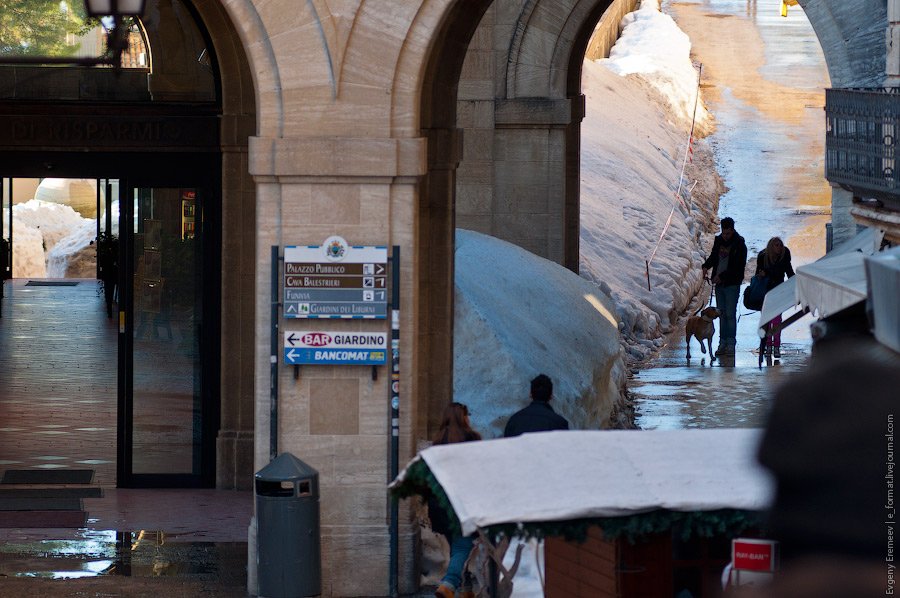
(289, 558)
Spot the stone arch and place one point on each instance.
(549, 39)
(521, 110)
(852, 35)
(236, 80)
(437, 207)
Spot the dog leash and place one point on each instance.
(712, 291)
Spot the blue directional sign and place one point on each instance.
(307, 347)
(335, 280)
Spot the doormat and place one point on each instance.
(43, 519)
(88, 492)
(51, 283)
(40, 504)
(47, 476)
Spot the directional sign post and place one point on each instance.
(335, 280)
(305, 347)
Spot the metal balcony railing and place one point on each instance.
(861, 141)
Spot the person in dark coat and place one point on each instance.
(455, 427)
(538, 416)
(774, 262)
(726, 262)
(829, 444)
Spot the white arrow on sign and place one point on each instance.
(379, 269)
(291, 355)
(291, 308)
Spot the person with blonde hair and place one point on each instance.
(774, 262)
(455, 427)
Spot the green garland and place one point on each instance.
(705, 524)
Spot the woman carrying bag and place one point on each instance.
(774, 263)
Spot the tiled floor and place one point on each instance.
(57, 380)
(58, 410)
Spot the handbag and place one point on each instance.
(755, 293)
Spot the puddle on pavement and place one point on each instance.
(132, 554)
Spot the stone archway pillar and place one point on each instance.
(534, 198)
(337, 418)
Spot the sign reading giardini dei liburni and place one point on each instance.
(335, 280)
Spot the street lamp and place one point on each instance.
(117, 39)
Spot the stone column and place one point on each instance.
(530, 186)
(337, 418)
(843, 226)
(234, 463)
(892, 62)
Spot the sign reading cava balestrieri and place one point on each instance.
(335, 280)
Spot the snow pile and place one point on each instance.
(54, 220)
(653, 48)
(527, 317)
(74, 256)
(28, 251)
(633, 148)
(51, 240)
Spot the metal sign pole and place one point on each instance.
(395, 414)
(273, 360)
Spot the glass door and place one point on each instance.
(164, 416)
(6, 224)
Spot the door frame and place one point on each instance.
(202, 170)
(206, 181)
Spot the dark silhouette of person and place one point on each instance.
(774, 262)
(831, 445)
(726, 262)
(538, 416)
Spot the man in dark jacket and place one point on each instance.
(539, 416)
(726, 262)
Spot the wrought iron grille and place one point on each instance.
(861, 140)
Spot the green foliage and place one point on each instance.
(39, 27)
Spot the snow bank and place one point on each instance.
(51, 240)
(634, 139)
(653, 48)
(526, 317)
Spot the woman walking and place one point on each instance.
(774, 262)
(455, 427)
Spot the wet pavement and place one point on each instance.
(763, 79)
(135, 543)
(730, 392)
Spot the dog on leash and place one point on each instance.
(701, 327)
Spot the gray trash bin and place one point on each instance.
(287, 515)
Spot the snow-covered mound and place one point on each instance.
(518, 315)
(653, 48)
(634, 141)
(51, 240)
(74, 256)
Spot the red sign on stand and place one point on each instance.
(754, 555)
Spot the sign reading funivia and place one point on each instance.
(304, 347)
(335, 280)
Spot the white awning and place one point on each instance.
(559, 476)
(831, 285)
(777, 301)
(828, 285)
